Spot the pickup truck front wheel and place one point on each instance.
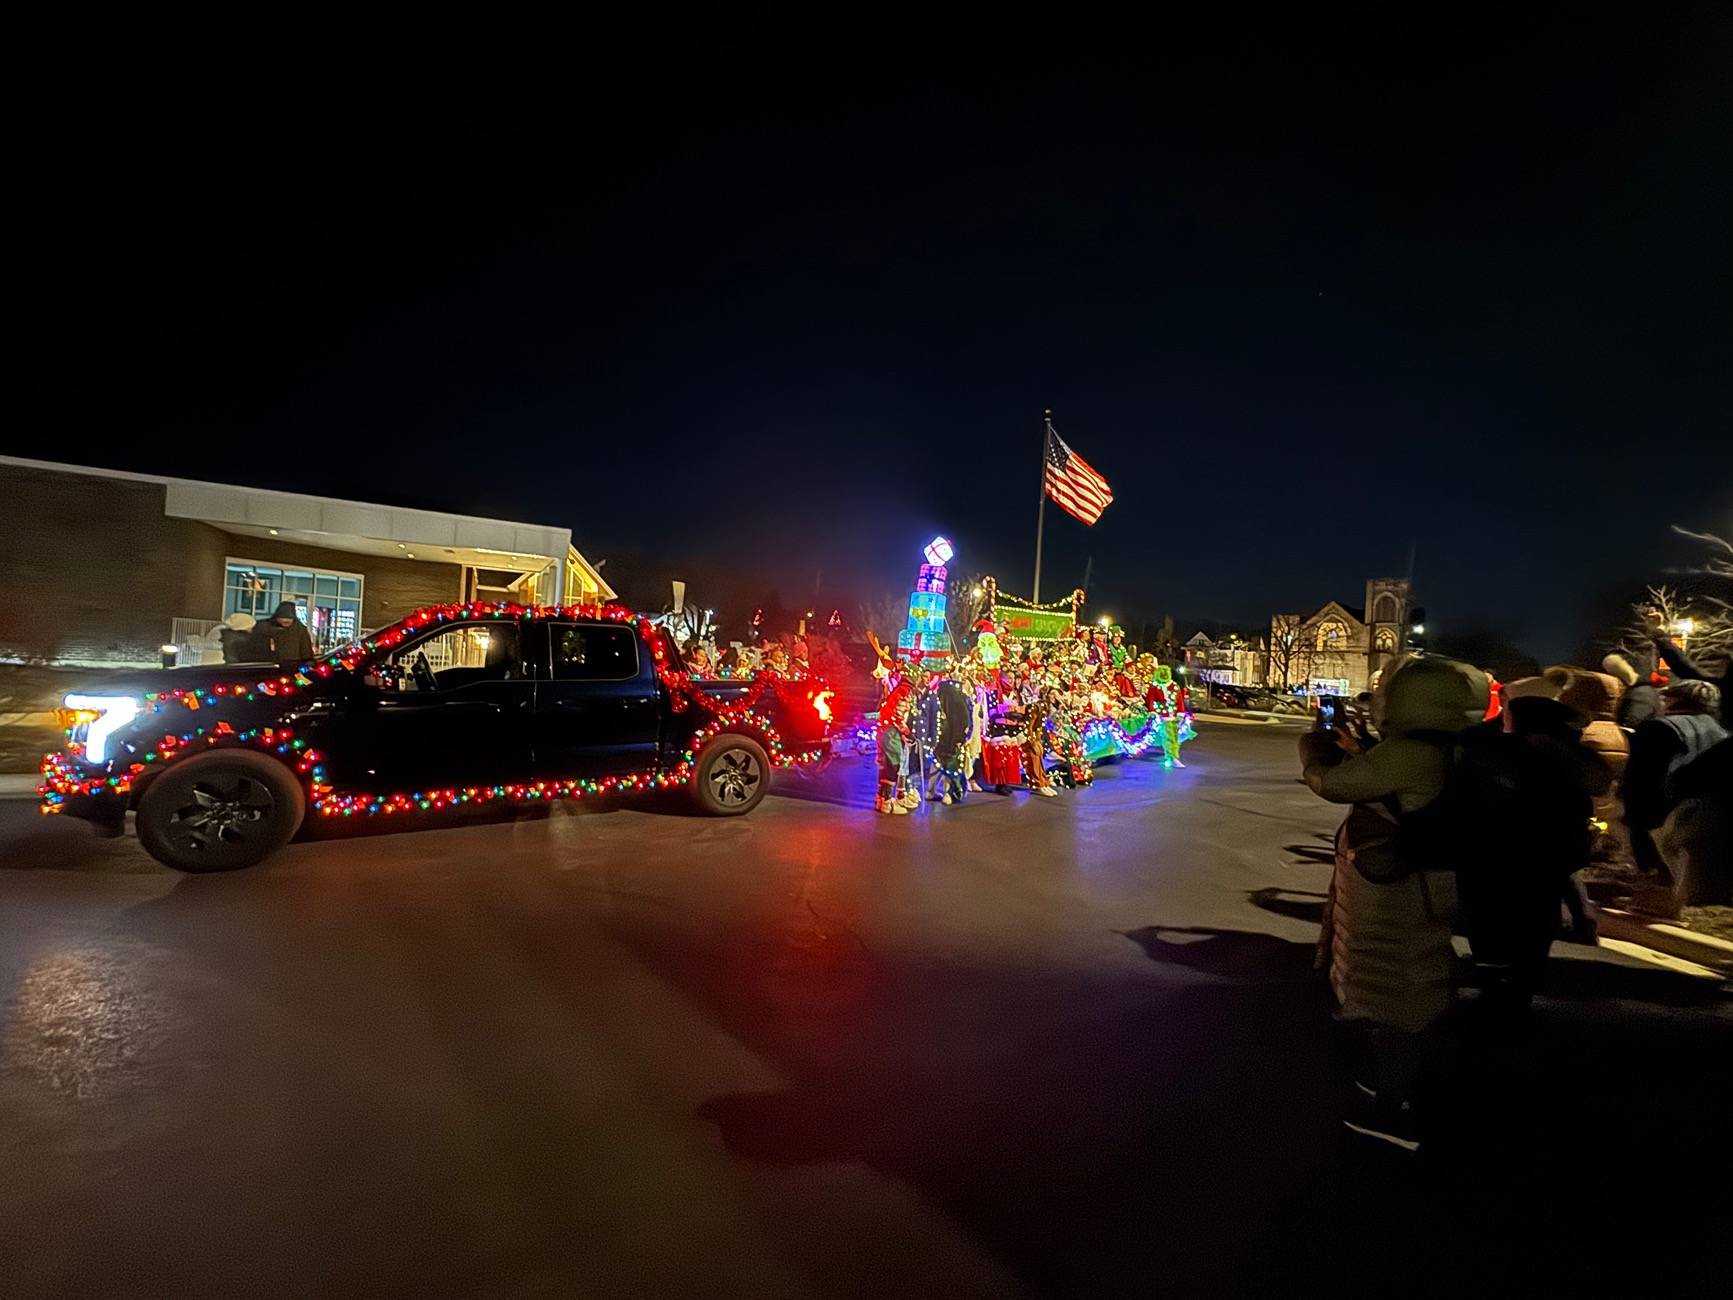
(732, 775)
(220, 811)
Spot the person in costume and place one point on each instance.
(1075, 770)
(901, 684)
(893, 749)
(981, 694)
(954, 723)
(1094, 648)
(1116, 650)
(1167, 699)
(1035, 746)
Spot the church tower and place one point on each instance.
(1388, 604)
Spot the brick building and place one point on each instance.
(1340, 649)
(102, 567)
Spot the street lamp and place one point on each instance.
(1420, 629)
(1105, 621)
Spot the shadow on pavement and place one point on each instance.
(1299, 904)
(1232, 954)
(1132, 1134)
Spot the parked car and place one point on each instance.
(1232, 697)
(457, 704)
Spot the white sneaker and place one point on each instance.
(1047, 791)
(1178, 763)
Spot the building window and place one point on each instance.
(1384, 639)
(1332, 635)
(1386, 609)
(328, 603)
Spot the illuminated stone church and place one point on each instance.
(1340, 649)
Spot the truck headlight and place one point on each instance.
(98, 717)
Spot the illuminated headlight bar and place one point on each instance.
(99, 717)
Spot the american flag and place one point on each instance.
(1073, 483)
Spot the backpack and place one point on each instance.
(1466, 822)
(1512, 822)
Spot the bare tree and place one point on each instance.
(1718, 566)
(884, 617)
(1166, 647)
(966, 599)
(1290, 653)
(1702, 625)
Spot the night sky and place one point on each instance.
(1307, 297)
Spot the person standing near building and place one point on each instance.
(282, 639)
(235, 635)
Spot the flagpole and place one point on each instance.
(1041, 510)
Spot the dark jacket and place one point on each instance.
(270, 642)
(1660, 749)
(1637, 705)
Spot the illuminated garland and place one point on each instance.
(62, 780)
(198, 696)
(682, 690)
(995, 597)
(1050, 607)
(331, 803)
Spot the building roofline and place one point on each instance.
(406, 514)
(97, 471)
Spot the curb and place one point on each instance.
(19, 785)
(1246, 719)
(1702, 950)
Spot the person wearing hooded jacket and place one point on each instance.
(1391, 962)
(282, 639)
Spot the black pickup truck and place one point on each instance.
(456, 705)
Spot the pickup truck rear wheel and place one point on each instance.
(732, 775)
(220, 811)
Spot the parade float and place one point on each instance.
(1031, 697)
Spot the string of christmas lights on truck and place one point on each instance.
(525, 704)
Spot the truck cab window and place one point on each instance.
(594, 652)
(459, 656)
